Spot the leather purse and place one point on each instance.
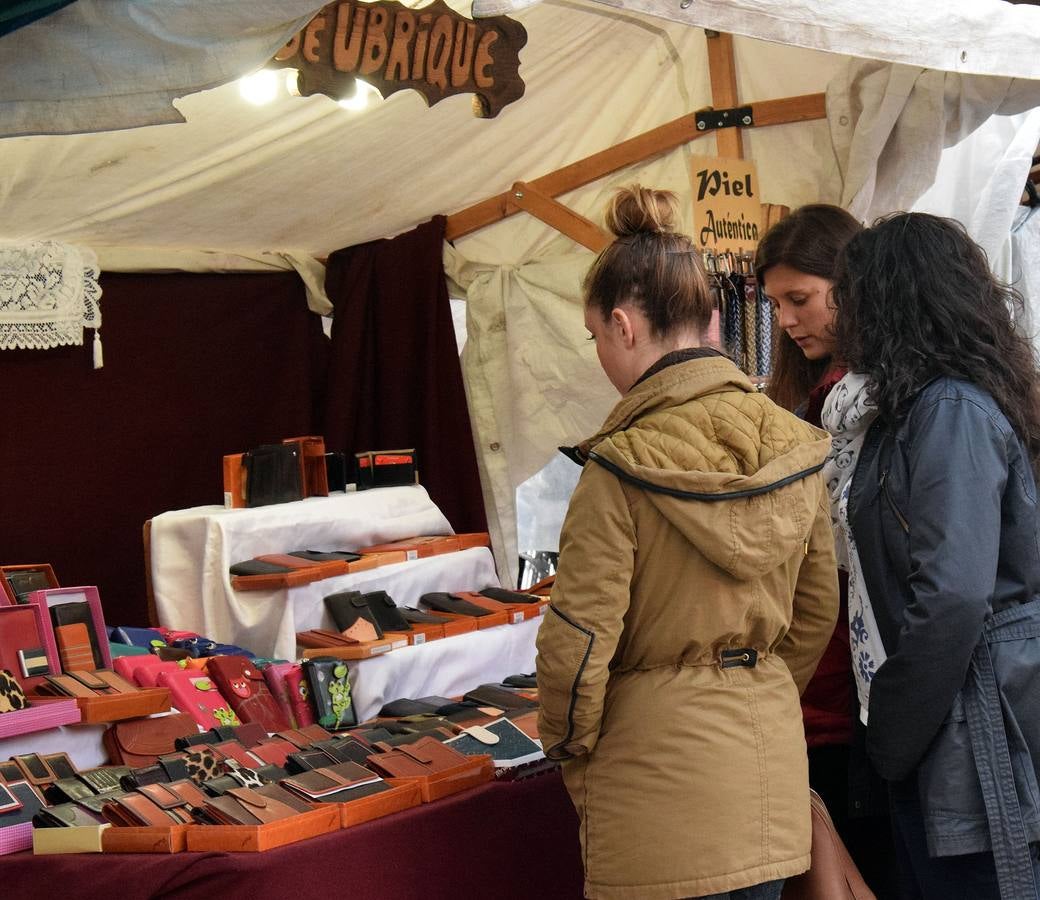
(195, 694)
(832, 874)
(272, 474)
(352, 616)
(276, 675)
(65, 815)
(140, 742)
(242, 684)
(247, 806)
(449, 603)
(329, 681)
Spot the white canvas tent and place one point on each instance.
(241, 186)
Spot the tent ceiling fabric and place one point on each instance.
(978, 37)
(99, 65)
(303, 174)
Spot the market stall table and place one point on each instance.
(502, 841)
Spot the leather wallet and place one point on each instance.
(424, 757)
(79, 613)
(326, 555)
(65, 815)
(68, 790)
(104, 778)
(74, 648)
(313, 476)
(386, 612)
(386, 468)
(245, 806)
(449, 603)
(272, 474)
(28, 800)
(257, 567)
(34, 769)
(494, 695)
(406, 707)
(276, 675)
(420, 617)
(12, 697)
(134, 808)
(196, 694)
(330, 690)
(345, 749)
(202, 763)
(96, 802)
(236, 750)
(306, 760)
(273, 752)
(352, 616)
(506, 596)
(521, 681)
(334, 784)
(336, 471)
(242, 684)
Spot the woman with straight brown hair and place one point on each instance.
(796, 263)
(695, 593)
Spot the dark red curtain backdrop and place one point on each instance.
(196, 366)
(394, 379)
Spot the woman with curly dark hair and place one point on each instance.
(943, 514)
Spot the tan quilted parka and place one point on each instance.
(699, 534)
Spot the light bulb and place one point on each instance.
(362, 94)
(260, 87)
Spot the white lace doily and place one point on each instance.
(49, 293)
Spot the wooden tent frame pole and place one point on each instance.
(645, 146)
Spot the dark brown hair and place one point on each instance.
(917, 300)
(809, 240)
(649, 265)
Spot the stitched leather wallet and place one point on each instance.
(505, 596)
(335, 784)
(74, 648)
(449, 603)
(65, 815)
(386, 612)
(494, 695)
(80, 613)
(352, 616)
(330, 690)
(272, 474)
(425, 757)
(245, 806)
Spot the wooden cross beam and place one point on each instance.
(635, 150)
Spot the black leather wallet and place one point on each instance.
(505, 596)
(68, 790)
(329, 681)
(494, 695)
(449, 603)
(346, 608)
(104, 778)
(386, 612)
(521, 681)
(326, 555)
(406, 707)
(65, 815)
(257, 567)
(419, 617)
(136, 778)
(272, 474)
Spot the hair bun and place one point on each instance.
(640, 210)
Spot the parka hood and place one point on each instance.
(726, 466)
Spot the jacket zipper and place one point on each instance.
(895, 509)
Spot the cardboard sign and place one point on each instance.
(432, 50)
(726, 204)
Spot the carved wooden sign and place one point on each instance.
(432, 49)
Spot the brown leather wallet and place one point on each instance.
(245, 806)
(425, 756)
(137, 809)
(318, 784)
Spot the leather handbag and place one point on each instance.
(140, 742)
(833, 875)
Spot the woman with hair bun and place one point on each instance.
(695, 594)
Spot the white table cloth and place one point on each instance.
(192, 549)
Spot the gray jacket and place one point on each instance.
(943, 508)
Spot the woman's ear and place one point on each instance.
(625, 326)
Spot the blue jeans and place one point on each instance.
(767, 890)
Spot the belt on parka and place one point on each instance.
(988, 735)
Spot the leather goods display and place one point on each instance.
(272, 474)
(17, 582)
(242, 684)
(352, 616)
(386, 613)
(329, 682)
(313, 476)
(424, 546)
(140, 742)
(196, 694)
(386, 468)
(12, 697)
(832, 874)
